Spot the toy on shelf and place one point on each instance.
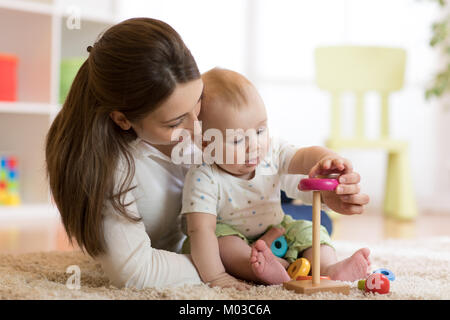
(279, 247)
(8, 77)
(9, 186)
(316, 284)
(69, 69)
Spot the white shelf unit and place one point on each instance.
(36, 32)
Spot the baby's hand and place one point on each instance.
(224, 280)
(331, 164)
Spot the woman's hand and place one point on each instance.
(346, 199)
(225, 280)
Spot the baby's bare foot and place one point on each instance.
(270, 236)
(266, 266)
(351, 269)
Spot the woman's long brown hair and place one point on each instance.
(132, 68)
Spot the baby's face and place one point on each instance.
(243, 150)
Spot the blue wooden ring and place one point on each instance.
(388, 273)
(279, 246)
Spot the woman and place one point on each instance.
(108, 154)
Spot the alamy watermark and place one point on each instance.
(73, 21)
(74, 281)
(236, 146)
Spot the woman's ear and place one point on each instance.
(120, 119)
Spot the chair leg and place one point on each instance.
(390, 197)
(399, 201)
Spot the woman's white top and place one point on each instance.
(144, 254)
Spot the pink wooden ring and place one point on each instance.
(318, 184)
(310, 278)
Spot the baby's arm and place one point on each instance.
(205, 251)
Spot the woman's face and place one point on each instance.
(179, 111)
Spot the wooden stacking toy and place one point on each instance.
(299, 267)
(377, 283)
(279, 247)
(316, 284)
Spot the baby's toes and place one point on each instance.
(258, 264)
(260, 245)
(365, 252)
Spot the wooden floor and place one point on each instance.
(368, 227)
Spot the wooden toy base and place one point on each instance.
(306, 286)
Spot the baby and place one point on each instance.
(232, 211)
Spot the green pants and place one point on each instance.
(298, 236)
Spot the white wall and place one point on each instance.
(272, 42)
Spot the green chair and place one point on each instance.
(358, 70)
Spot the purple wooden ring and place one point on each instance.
(318, 184)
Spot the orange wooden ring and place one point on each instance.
(299, 267)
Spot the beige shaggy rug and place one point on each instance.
(421, 267)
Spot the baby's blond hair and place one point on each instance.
(223, 87)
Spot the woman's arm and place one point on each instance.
(205, 251)
(130, 260)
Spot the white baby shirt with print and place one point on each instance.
(250, 206)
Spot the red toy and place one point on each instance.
(378, 283)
